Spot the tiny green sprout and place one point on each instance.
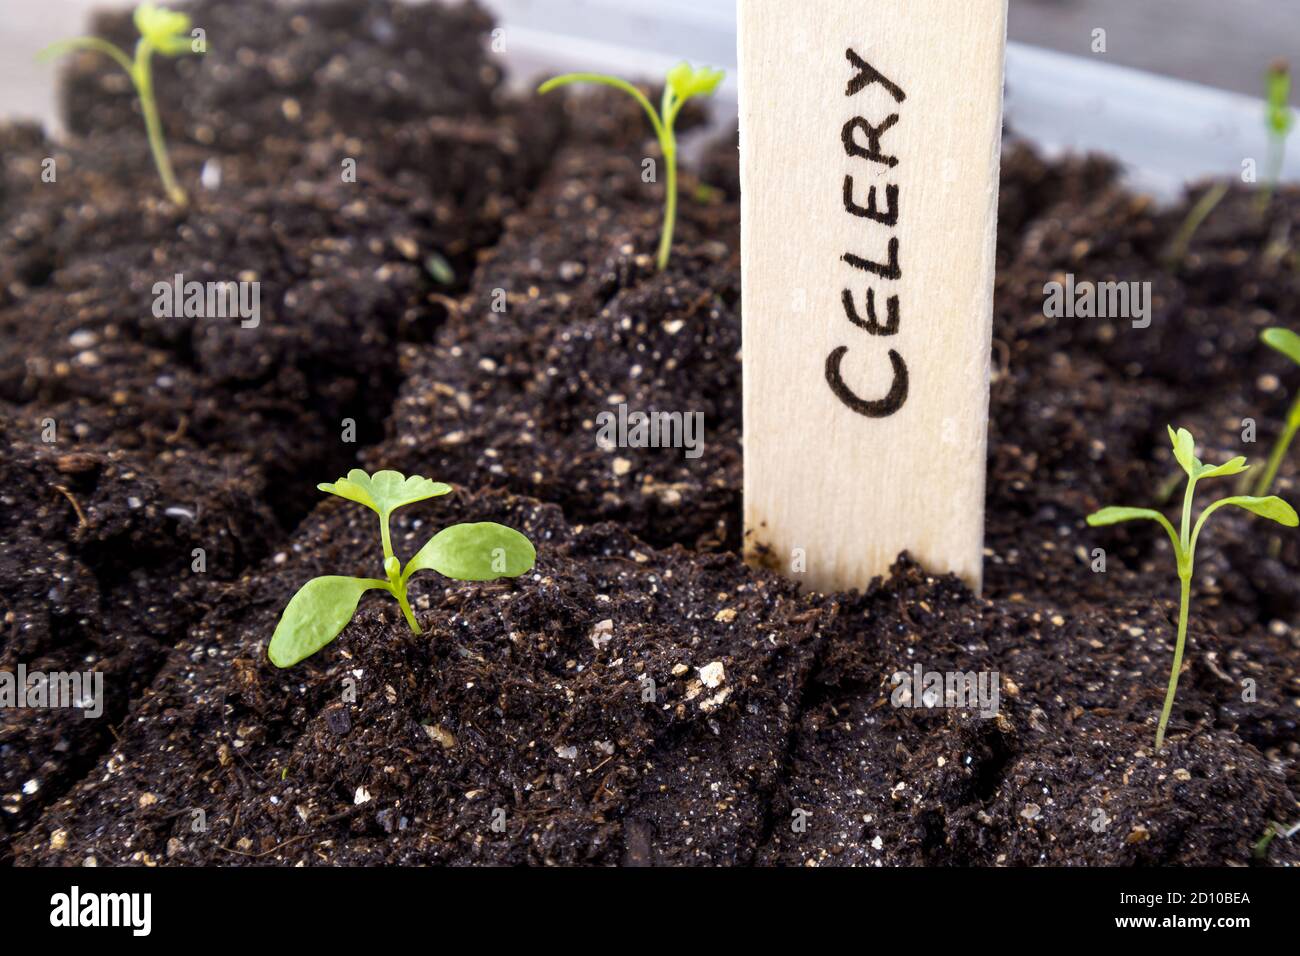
(1279, 119)
(684, 81)
(1288, 343)
(1272, 832)
(161, 31)
(482, 551)
(1184, 540)
(1199, 212)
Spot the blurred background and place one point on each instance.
(1223, 43)
(1078, 97)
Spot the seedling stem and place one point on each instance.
(1208, 202)
(396, 585)
(1280, 448)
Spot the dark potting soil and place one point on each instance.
(568, 317)
(131, 439)
(527, 696)
(516, 729)
(350, 66)
(520, 726)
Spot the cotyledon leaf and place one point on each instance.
(1284, 341)
(481, 551)
(1114, 515)
(315, 616)
(1268, 507)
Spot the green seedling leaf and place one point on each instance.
(315, 616)
(384, 491)
(1114, 515)
(686, 81)
(483, 551)
(1185, 449)
(166, 30)
(618, 83)
(1233, 467)
(1284, 341)
(469, 552)
(62, 47)
(1271, 507)
(1185, 539)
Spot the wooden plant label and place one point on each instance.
(870, 135)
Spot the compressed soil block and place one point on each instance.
(567, 319)
(140, 435)
(616, 705)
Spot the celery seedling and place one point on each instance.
(1184, 540)
(161, 31)
(482, 551)
(1271, 832)
(1279, 119)
(684, 81)
(1199, 212)
(1288, 343)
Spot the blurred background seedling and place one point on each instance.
(1288, 343)
(1279, 120)
(1272, 832)
(161, 31)
(683, 82)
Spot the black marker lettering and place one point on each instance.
(889, 270)
(868, 74)
(872, 150)
(880, 408)
(870, 211)
(870, 324)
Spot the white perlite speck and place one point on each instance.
(713, 674)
